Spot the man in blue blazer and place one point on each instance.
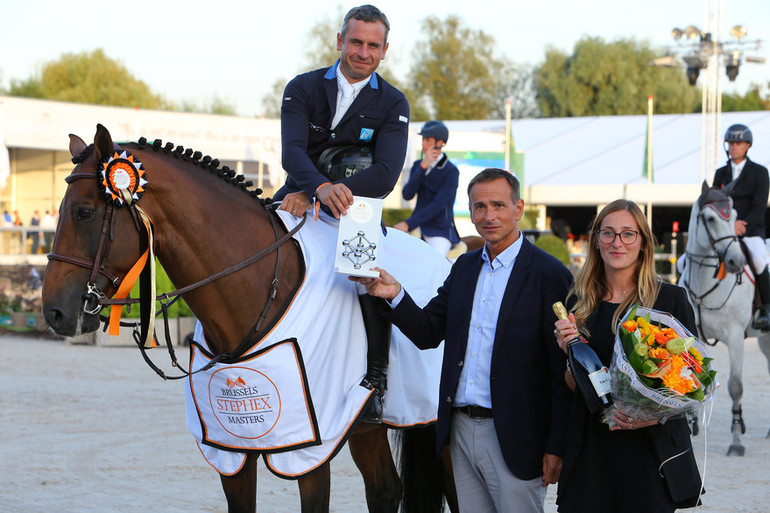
(434, 180)
(316, 116)
(348, 105)
(503, 402)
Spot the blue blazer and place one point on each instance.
(379, 116)
(530, 399)
(434, 212)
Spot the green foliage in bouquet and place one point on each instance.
(663, 360)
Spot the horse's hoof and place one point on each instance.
(768, 434)
(736, 450)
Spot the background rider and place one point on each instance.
(748, 189)
(434, 180)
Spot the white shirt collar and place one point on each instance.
(341, 80)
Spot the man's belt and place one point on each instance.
(476, 412)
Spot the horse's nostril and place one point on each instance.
(53, 316)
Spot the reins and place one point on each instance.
(165, 302)
(100, 300)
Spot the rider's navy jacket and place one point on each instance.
(749, 194)
(434, 211)
(379, 116)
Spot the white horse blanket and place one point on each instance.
(295, 403)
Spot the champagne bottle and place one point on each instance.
(591, 376)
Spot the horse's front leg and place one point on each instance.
(735, 387)
(241, 488)
(370, 450)
(314, 490)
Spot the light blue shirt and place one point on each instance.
(473, 387)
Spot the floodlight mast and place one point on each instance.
(705, 51)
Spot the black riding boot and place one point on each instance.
(378, 336)
(762, 320)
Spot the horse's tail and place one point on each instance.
(422, 472)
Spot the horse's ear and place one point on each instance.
(728, 189)
(77, 145)
(102, 143)
(704, 190)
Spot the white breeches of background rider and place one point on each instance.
(440, 244)
(757, 254)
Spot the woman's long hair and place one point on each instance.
(591, 281)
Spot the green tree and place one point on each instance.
(751, 100)
(88, 77)
(214, 105)
(271, 102)
(322, 40)
(517, 84)
(455, 71)
(615, 78)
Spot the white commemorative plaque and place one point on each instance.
(358, 240)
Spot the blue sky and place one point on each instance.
(236, 49)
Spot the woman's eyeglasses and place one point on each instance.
(608, 236)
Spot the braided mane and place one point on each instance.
(194, 157)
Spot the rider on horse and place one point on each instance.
(748, 187)
(344, 131)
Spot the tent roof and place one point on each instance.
(591, 160)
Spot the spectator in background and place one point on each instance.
(49, 222)
(434, 180)
(34, 235)
(7, 221)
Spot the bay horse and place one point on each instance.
(721, 292)
(205, 219)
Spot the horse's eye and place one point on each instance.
(84, 213)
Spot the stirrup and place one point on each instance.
(762, 320)
(372, 411)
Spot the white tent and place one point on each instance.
(587, 161)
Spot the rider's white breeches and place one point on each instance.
(756, 247)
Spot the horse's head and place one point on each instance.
(712, 228)
(96, 242)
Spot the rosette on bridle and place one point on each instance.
(122, 182)
(123, 179)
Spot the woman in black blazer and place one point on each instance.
(637, 466)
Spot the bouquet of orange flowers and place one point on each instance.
(658, 368)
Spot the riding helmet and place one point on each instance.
(435, 129)
(739, 133)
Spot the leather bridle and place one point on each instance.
(97, 265)
(95, 296)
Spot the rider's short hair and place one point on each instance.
(367, 13)
(490, 174)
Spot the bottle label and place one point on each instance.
(601, 381)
